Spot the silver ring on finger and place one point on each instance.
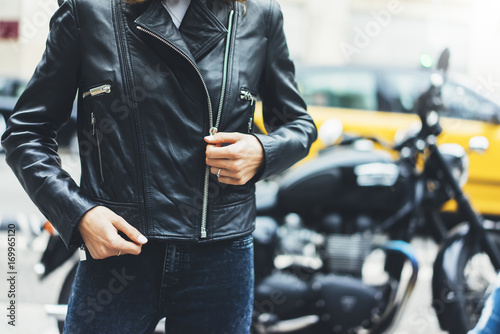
(218, 173)
(119, 253)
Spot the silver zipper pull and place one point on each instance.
(213, 131)
(248, 96)
(250, 123)
(92, 121)
(103, 89)
(81, 253)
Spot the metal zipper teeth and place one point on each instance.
(204, 213)
(104, 89)
(225, 69)
(93, 121)
(214, 129)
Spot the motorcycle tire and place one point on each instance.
(471, 292)
(65, 293)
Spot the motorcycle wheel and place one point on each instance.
(476, 275)
(65, 293)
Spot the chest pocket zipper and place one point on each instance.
(99, 90)
(247, 95)
(95, 132)
(96, 91)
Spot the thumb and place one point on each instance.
(223, 138)
(130, 231)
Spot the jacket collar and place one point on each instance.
(199, 32)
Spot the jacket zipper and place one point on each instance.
(81, 253)
(247, 95)
(96, 91)
(213, 128)
(95, 133)
(103, 89)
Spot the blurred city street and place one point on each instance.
(32, 294)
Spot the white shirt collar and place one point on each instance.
(177, 9)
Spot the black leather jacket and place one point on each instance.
(148, 94)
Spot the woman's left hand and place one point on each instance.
(237, 162)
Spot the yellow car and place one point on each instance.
(378, 102)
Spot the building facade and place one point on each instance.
(321, 32)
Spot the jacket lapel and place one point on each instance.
(201, 29)
(199, 32)
(157, 20)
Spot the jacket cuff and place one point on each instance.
(265, 170)
(71, 237)
(66, 216)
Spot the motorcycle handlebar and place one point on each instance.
(431, 100)
(427, 105)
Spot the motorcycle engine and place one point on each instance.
(320, 275)
(346, 303)
(345, 254)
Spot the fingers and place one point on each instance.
(122, 246)
(131, 232)
(224, 152)
(233, 172)
(220, 172)
(226, 176)
(127, 247)
(226, 172)
(223, 138)
(232, 181)
(99, 229)
(239, 150)
(238, 162)
(226, 164)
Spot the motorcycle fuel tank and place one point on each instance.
(345, 180)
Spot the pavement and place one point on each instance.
(32, 294)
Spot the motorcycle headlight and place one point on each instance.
(458, 161)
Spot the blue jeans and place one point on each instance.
(489, 322)
(198, 288)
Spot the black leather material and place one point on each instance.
(145, 155)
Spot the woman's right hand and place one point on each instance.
(99, 229)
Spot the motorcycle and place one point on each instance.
(319, 226)
(332, 252)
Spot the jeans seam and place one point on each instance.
(162, 301)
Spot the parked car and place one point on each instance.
(378, 102)
(10, 90)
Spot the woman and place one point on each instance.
(165, 207)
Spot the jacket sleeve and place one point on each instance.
(291, 130)
(30, 138)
